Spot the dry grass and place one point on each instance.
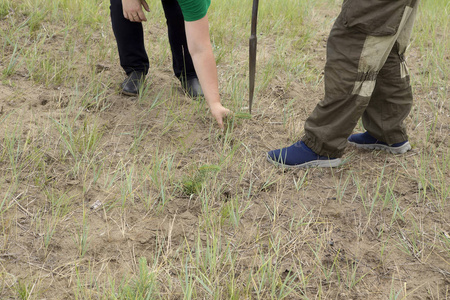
(109, 197)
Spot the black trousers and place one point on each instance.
(130, 40)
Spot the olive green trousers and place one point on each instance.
(365, 76)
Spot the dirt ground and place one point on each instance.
(338, 227)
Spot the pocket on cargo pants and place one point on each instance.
(373, 17)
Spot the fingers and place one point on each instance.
(132, 10)
(145, 5)
(136, 16)
(223, 115)
(220, 122)
(141, 16)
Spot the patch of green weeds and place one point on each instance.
(4, 9)
(193, 184)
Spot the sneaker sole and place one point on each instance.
(394, 150)
(310, 164)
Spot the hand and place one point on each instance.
(132, 10)
(219, 113)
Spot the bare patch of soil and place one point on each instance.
(319, 224)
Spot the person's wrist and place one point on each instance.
(214, 104)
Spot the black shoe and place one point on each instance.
(131, 85)
(192, 87)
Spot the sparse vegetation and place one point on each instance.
(108, 197)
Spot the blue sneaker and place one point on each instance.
(366, 141)
(300, 156)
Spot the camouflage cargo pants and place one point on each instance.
(365, 76)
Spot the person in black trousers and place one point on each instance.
(129, 35)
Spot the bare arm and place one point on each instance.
(199, 44)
